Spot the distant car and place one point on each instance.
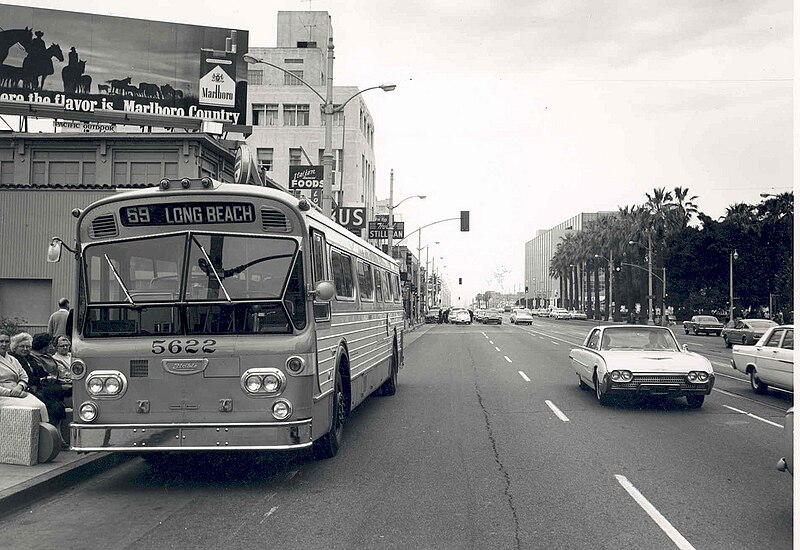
(786, 463)
(521, 317)
(559, 313)
(580, 315)
(492, 316)
(641, 360)
(706, 324)
(460, 317)
(432, 316)
(746, 331)
(507, 309)
(479, 315)
(770, 362)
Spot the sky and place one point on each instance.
(528, 112)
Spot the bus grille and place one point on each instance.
(274, 220)
(103, 226)
(139, 368)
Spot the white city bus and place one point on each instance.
(222, 316)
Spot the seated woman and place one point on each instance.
(42, 349)
(41, 385)
(14, 382)
(63, 357)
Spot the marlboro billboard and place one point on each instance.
(80, 66)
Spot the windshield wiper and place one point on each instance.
(213, 270)
(119, 280)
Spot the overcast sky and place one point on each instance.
(527, 112)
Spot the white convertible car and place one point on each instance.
(641, 360)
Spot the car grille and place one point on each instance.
(671, 379)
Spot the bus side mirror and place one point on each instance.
(54, 251)
(324, 291)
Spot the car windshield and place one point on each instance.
(639, 338)
(707, 319)
(762, 323)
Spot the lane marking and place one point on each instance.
(507, 359)
(524, 376)
(484, 334)
(268, 514)
(751, 415)
(498, 349)
(656, 516)
(541, 337)
(556, 410)
(491, 342)
(756, 401)
(556, 343)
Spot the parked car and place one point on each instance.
(480, 315)
(706, 324)
(492, 316)
(641, 360)
(746, 331)
(770, 362)
(786, 463)
(507, 309)
(432, 316)
(559, 313)
(575, 314)
(460, 316)
(521, 317)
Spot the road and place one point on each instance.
(488, 443)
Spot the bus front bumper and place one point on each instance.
(191, 437)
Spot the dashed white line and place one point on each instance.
(507, 359)
(524, 376)
(556, 410)
(556, 343)
(498, 349)
(484, 334)
(751, 415)
(660, 520)
(268, 514)
(491, 342)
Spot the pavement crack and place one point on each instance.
(500, 466)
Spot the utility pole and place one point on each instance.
(390, 232)
(327, 157)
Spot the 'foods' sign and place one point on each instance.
(306, 177)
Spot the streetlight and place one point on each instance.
(329, 110)
(390, 231)
(419, 275)
(732, 256)
(650, 318)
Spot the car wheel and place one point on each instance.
(757, 385)
(727, 342)
(583, 385)
(601, 396)
(695, 401)
(328, 445)
(696, 332)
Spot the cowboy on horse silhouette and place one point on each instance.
(38, 62)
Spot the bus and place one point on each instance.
(211, 315)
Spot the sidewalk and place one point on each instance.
(22, 485)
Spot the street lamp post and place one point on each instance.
(391, 207)
(610, 289)
(650, 317)
(328, 109)
(732, 256)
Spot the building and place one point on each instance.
(543, 290)
(44, 176)
(287, 118)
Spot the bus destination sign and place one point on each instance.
(188, 213)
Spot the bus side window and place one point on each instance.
(342, 266)
(319, 265)
(387, 280)
(395, 287)
(365, 283)
(378, 285)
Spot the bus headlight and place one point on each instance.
(78, 369)
(263, 382)
(106, 384)
(281, 409)
(295, 364)
(87, 411)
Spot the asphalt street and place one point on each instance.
(488, 443)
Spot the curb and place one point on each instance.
(27, 492)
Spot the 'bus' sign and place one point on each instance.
(190, 213)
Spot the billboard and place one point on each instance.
(80, 66)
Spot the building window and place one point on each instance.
(295, 115)
(337, 159)
(144, 166)
(264, 157)
(7, 172)
(293, 60)
(295, 157)
(293, 78)
(265, 114)
(255, 78)
(62, 168)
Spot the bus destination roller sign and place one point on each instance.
(190, 213)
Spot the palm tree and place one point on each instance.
(685, 207)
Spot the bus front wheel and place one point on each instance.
(328, 445)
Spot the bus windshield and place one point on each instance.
(161, 284)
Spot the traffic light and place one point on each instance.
(526, 289)
(459, 280)
(465, 220)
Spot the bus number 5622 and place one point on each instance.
(178, 346)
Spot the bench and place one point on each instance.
(24, 439)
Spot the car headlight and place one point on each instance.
(702, 377)
(621, 375)
(697, 377)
